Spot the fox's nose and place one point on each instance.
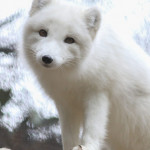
(47, 59)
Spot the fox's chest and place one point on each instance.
(68, 91)
(68, 87)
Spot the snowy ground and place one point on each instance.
(26, 99)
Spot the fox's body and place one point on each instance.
(98, 77)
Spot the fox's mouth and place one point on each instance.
(45, 65)
(51, 65)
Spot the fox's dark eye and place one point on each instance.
(69, 40)
(43, 33)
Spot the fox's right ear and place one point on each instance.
(38, 5)
(93, 19)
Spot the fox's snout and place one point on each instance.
(47, 59)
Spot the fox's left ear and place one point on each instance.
(38, 5)
(93, 18)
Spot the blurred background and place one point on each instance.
(28, 118)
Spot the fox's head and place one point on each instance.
(59, 34)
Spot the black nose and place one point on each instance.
(47, 59)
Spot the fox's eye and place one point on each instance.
(43, 33)
(69, 40)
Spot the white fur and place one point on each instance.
(101, 83)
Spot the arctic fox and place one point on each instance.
(98, 77)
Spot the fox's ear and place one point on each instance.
(38, 5)
(93, 19)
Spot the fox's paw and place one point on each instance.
(79, 147)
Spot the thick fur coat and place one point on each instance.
(98, 77)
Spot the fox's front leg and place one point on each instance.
(70, 121)
(95, 121)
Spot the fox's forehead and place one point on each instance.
(54, 18)
(56, 24)
(63, 19)
(61, 13)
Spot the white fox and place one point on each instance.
(98, 77)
